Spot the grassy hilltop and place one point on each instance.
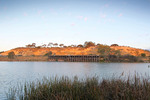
(36, 53)
(88, 48)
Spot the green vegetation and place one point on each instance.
(88, 44)
(108, 54)
(143, 54)
(104, 50)
(11, 55)
(114, 45)
(88, 89)
(80, 45)
(49, 53)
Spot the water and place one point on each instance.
(12, 73)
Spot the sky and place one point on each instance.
(124, 22)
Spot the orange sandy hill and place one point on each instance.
(131, 51)
(43, 51)
(74, 51)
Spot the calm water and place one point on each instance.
(12, 73)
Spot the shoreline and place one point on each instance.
(45, 59)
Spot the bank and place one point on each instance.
(78, 58)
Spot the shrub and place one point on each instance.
(88, 44)
(49, 53)
(38, 47)
(103, 50)
(143, 54)
(11, 55)
(114, 45)
(80, 45)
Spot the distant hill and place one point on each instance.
(124, 50)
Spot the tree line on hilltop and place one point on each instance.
(85, 45)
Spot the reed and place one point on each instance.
(65, 88)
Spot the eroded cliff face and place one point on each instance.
(124, 50)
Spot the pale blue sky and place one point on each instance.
(125, 22)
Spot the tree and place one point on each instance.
(88, 44)
(104, 51)
(143, 54)
(98, 44)
(114, 45)
(80, 45)
(61, 45)
(50, 44)
(55, 44)
(39, 47)
(11, 55)
(28, 46)
(117, 54)
(44, 45)
(72, 45)
(49, 53)
(33, 45)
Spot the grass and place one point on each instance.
(65, 88)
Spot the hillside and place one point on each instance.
(124, 50)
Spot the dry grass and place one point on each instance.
(74, 51)
(88, 89)
(25, 58)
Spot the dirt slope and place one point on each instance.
(74, 51)
(129, 50)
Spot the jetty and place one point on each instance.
(75, 58)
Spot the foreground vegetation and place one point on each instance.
(88, 89)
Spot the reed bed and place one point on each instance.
(65, 88)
